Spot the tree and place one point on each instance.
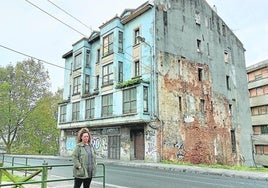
(40, 134)
(21, 86)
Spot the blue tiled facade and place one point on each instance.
(108, 70)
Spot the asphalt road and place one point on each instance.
(120, 176)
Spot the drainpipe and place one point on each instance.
(155, 72)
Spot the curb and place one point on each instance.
(195, 170)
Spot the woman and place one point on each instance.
(84, 159)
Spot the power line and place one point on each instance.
(55, 18)
(10, 49)
(75, 29)
(70, 15)
(145, 66)
(46, 62)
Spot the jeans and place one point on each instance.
(78, 182)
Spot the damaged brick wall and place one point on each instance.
(196, 122)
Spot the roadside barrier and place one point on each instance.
(33, 171)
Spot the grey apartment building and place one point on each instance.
(258, 92)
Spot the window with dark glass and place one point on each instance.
(87, 84)
(98, 56)
(230, 109)
(137, 68)
(97, 80)
(179, 67)
(136, 34)
(223, 30)
(77, 61)
(120, 71)
(108, 44)
(107, 74)
(264, 129)
(129, 101)
(76, 111)
(198, 45)
(63, 113)
(233, 141)
(107, 105)
(180, 104)
(90, 108)
(120, 41)
(76, 85)
(88, 59)
(228, 82)
(165, 18)
(200, 74)
(202, 105)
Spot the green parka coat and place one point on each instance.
(80, 158)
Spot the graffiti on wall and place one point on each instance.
(150, 143)
(149, 134)
(70, 143)
(96, 143)
(181, 150)
(100, 143)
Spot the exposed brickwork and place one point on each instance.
(205, 138)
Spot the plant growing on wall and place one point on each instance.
(128, 83)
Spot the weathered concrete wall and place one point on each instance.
(150, 134)
(125, 144)
(191, 30)
(205, 139)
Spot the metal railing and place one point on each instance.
(41, 169)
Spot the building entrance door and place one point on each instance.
(138, 136)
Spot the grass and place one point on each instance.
(6, 179)
(242, 168)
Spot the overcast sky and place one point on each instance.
(29, 30)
